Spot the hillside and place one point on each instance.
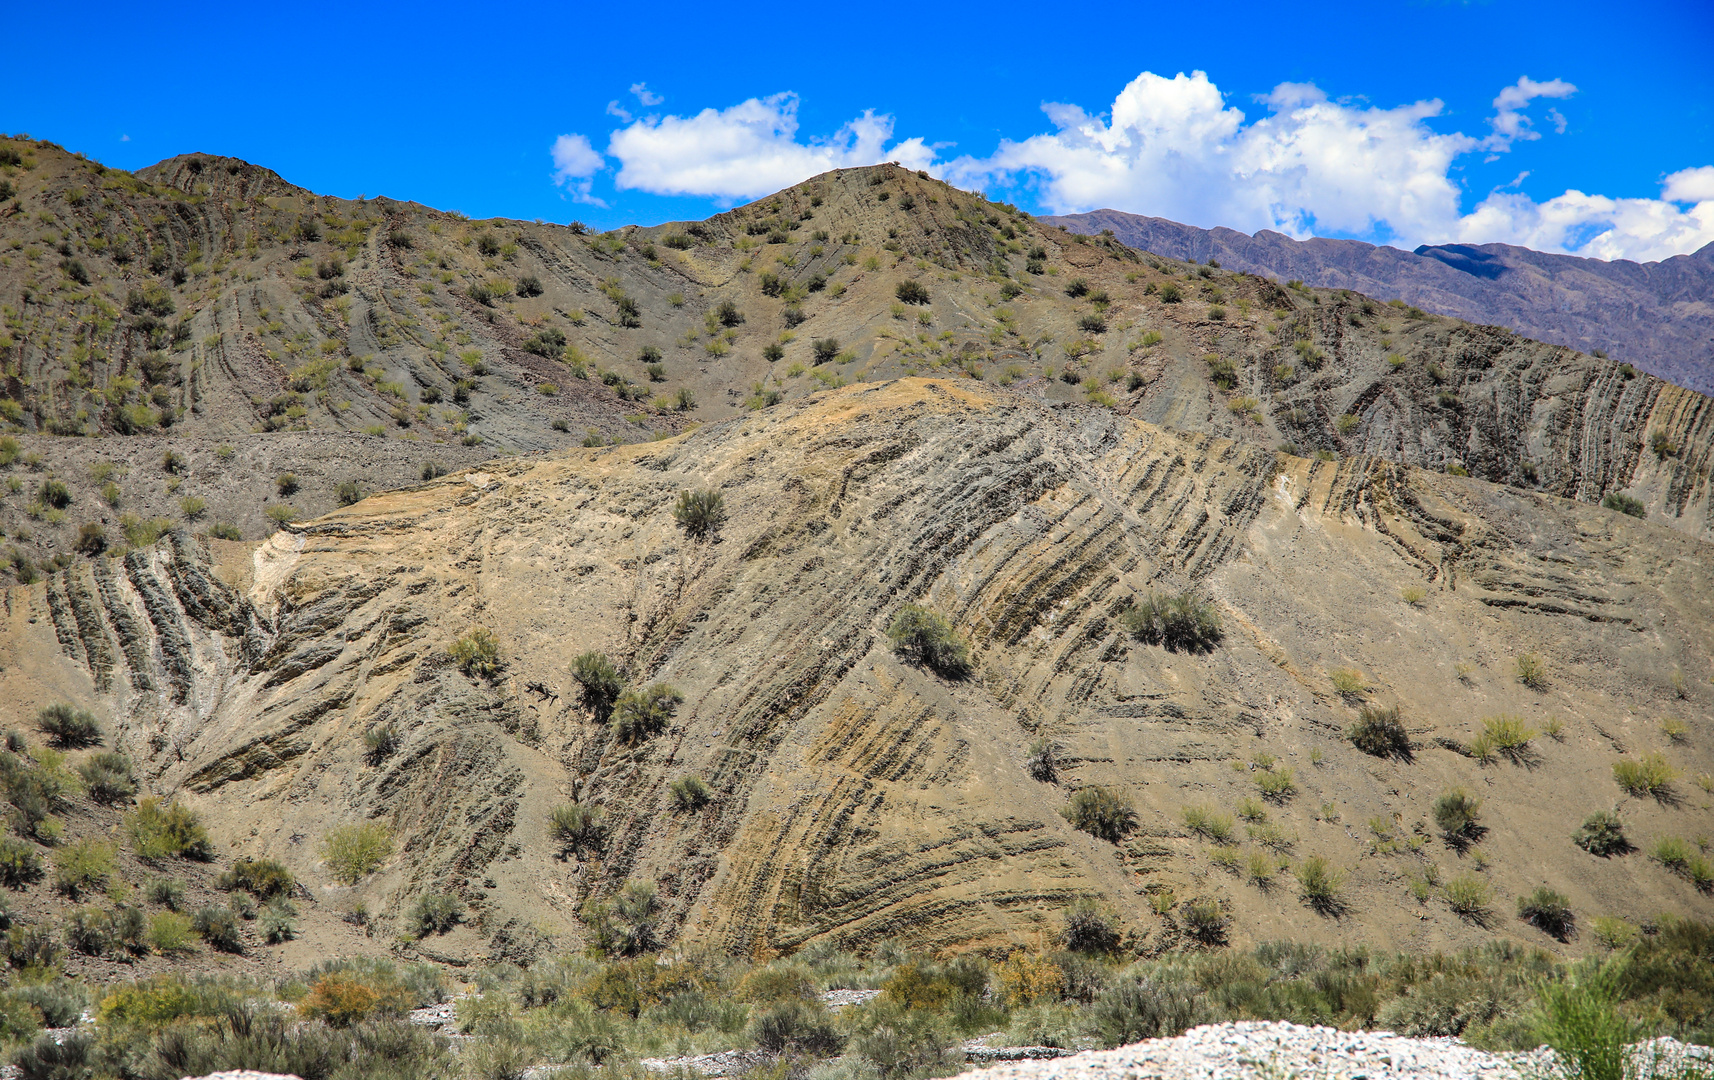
(1656, 316)
(856, 796)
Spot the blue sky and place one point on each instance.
(460, 107)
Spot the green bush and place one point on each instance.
(1549, 912)
(477, 653)
(1043, 761)
(434, 913)
(158, 832)
(824, 349)
(929, 638)
(107, 776)
(1625, 504)
(31, 948)
(910, 291)
(797, 1027)
(166, 891)
(1468, 895)
(700, 513)
(353, 851)
(69, 727)
(1580, 1018)
(83, 866)
(1204, 920)
(1603, 834)
(261, 878)
(1102, 812)
(380, 743)
(20, 865)
(89, 930)
(1321, 885)
(279, 920)
(60, 1001)
(1208, 824)
(690, 794)
(1380, 732)
(576, 827)
(1457, 812)
(1090, 928)
(1138, 1008)
(601, 683)
(170, 932)
(639, 714)
(1181, 623)
(218, 926)
(1649, 775)
(626, 924)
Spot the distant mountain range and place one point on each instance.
(1657, 316)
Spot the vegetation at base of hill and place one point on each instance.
(1085, 987)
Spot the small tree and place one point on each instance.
(1102, 812)
(930, 639)
(700, 513)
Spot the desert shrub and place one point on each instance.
(1204, 920)
(20, 866)
(700, 513)
(243, 905)
(625, 925)
(380, 743)
(49, 1058)
(1603, 834)
(218, 926)
(1043, 761)
(928, 638)
(261, 878)
(89, 930)
(600, 681)
(911, 291)
(529, 285)
(1624, 504)
(169, 932)
(69, 727)
(91, 539)
(349, 493)
(1580, 1018)
(1102, 812)
(690, 793)
(1649, 775)
(1468, 895)
(1208, 824)
(345, 997)
(166, 891)
(158, 832)
(1025, 978)
(1321, 885)
(906, 1042)
(1348, 682)
(353, 851)
(107, 776)
(1090, 928)
(1276, 784)
(799, 1027)
(1547, 911)
(1133, 1009)
(824, 349)
(477, 653)
(434, 913)
(83, 866)
(1076, 287)
(31, 947)
(1505, 735)
(1379, 731)
(286, 484)
(1181, 623)
(1457, 812)
(1092, 324)
(60, 1001)
(639, 714)
(576, 827)
(279, 920)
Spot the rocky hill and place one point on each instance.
(1657, 316)
(253, 529)
(854, 795)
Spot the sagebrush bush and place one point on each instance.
(159, 832)
(1380, 732)
(600, 681)
(1549, 912)
(1321, 885)
(261, 878)
(107, 777)
(1457, 812)
(929, 638)
(477, 653)
(69, 727)
(1468, 895)
(1090, 928)
(354, 851)
(640, 714)
(700, 513)
(83, 866)
(1042, 761)
(170, 932)
(1649, 775)
(625, 924)
(279, 920)
(218, 926)
(690, 794)
(576, 827)
(799, 1027)
(1180, 623)
(20, 865)
(1603, 834)
(1103, 812)
(434, 913)
(911, 291)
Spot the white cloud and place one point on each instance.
(575, 164)
(748, 150)
(648, 97)
(1174, 148)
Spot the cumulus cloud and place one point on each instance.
(1176, 148)
(747, 150)
(575, 164)
(648, 97)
